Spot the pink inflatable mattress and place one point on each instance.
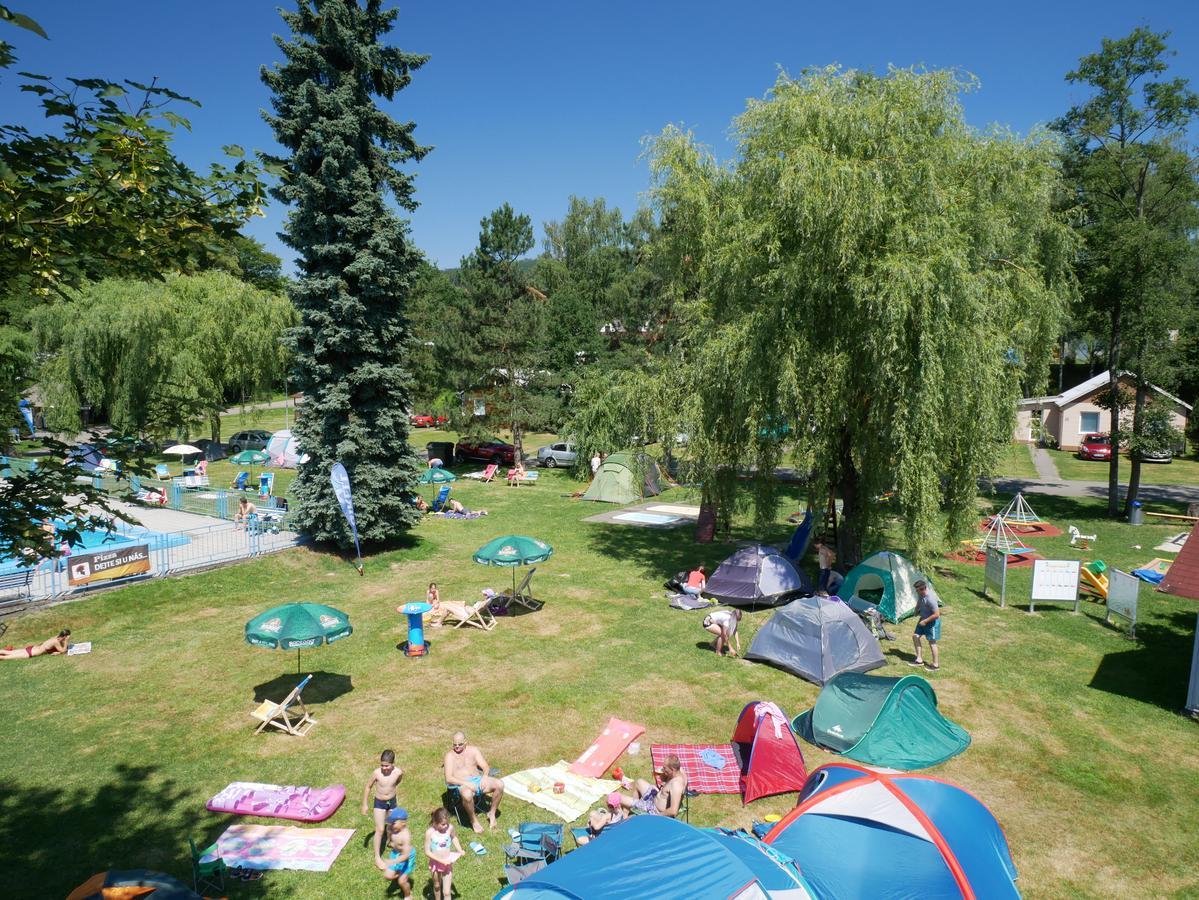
(303, 804)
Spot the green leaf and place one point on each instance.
(234, 150)
(22, 21)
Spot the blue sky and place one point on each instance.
(531, 102)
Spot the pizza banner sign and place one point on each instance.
(108, 565)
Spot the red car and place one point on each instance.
(486, 451)
(1095, 446)
(421, 421)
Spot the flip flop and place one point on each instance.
(916, 664)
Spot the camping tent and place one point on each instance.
(663, 858)
(890, 722)
(625, 478)
(859, 833)
(284, 450)
(771, 761)
(816, 639)
(892, 576)
(1182, 580)
(757, 574)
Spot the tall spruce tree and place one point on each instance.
(356, 263)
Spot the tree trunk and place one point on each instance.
(849, 535)
(1134, 472)
(705, 527)
(1113, 380)
(214, 424)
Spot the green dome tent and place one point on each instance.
(888, 581)
(891, 722)
(625, 478)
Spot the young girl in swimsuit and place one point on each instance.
(51, 646)
(443, 849)
(438, 612)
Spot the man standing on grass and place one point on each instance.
(466, 769)
(928, 624)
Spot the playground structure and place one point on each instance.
(1018, 513)
(1093, 579)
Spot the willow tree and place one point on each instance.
(357, 264)
(864, 286)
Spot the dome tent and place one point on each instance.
(625, 478)
(912, 836)
(888, 577)
(891, 722)
(757, 574)
(771, 761)
(816, 638)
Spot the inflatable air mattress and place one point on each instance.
(302, 804)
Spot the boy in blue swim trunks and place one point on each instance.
(401, 859)
(384, 781)
(928, 624)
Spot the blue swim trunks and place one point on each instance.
(932, 631)
(402, 866)
(476, 783)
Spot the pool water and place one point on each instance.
(102, 540)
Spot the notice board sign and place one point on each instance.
(107, 565)
(1054, 580)
(995, 574)
(1122, 593)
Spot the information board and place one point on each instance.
(995, 574)
(1054, 580)
(1122, 592)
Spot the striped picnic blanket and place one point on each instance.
(701, 777)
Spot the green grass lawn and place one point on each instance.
(1182, 470)
(1015, 461)
(110, 757)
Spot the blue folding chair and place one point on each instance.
(536, 845)
(240, 482)
(442, 496)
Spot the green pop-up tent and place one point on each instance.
(886, 580)
(892, 722)
(625, 478)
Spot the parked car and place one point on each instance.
(1156, 456)
(486, 451)
(418, 420)
(1095, 446)
(249, 440)
(559, 454)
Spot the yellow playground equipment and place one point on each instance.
(1093, 578)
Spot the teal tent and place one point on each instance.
(625, 478)
(891, 722)
(886, 580)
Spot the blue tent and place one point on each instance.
(912, 836)
(663, 858)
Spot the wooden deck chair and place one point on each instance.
(283, 716)
(489, 473)
(477, 615)
(524, 593)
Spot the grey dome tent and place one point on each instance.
(817, 638)
(625, 478)
(757, 574)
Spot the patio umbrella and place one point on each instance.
(437, 476)
(249, 458)
(294, 626)
(182, 450)
(513, 550)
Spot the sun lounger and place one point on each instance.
(489, 473)
(282, 715)
(524, 595)
(477, 615)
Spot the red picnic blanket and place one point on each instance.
(701, 777)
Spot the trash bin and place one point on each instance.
(1136, 516)
(443, 450)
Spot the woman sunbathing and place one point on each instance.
(51, 646)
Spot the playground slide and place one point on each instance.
(1093, 578)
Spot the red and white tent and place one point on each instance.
(771, 762)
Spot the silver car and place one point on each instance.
(559, 454)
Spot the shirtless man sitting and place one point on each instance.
(466, 768)
(48, 647)
(664, 800)
(384, 780)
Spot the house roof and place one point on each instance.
(1079, 391)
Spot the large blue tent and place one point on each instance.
(912, 836)
(663, 858)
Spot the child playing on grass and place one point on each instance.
(402, 858)
(384, 780)
(438, 612)
(443, 849)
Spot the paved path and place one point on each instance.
(1172, 493)
(1046, 468)
(263, 404)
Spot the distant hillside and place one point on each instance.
(524, 265)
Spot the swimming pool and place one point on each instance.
(103, 540)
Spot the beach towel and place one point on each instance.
(447, 514)
(579, 793)
(606, 749)
(282, 847)
(303, 804)
(1153, 571)
(702, 777)
(679, 600)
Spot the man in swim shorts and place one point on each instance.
(466, 768)
(663, 800)
(384, 780)
(48, 647)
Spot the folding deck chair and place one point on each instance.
(240, 482)
(524, 595)
(536, 846)
(443, 495)
(477, 614)
(489, 473)
(161, 471)
(281, 716)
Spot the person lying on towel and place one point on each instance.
(662, 799)
(50, 647)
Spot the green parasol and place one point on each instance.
(437, 476)
(513, 550)
(295, 626)
(249, 458)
